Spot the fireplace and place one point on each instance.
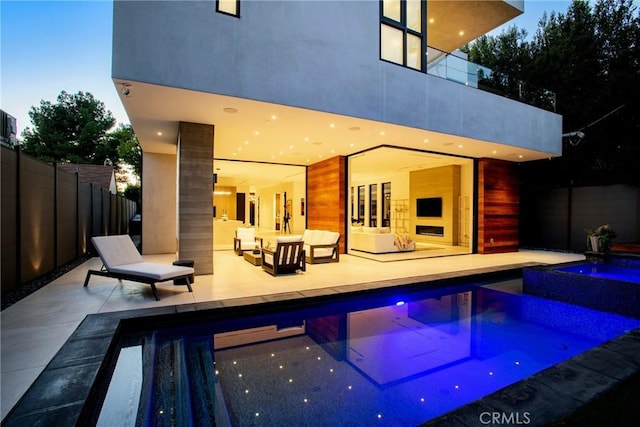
(430, 230)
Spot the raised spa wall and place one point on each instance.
(614, 296)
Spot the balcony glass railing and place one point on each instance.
(454, 67)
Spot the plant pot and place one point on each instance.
(595, 243)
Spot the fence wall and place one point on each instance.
(48, 217)
(558, 218)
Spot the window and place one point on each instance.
(386, 204)
(402, 34)
(373, 205)
(361, 203)
(228, 7)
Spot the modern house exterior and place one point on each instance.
(349, 111)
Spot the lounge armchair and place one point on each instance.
(121, 260)
(245, 240)
(321, 246)
(287, 257)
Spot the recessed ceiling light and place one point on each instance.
(230, 110)
(331, 125)
(520, 156)
(460, 146)
(159, 134)
(494, 151)
(461, 33)
(256, 133)
(273, 117)
(306, 139)
(351, 145)
(246, 143)
(382, 133)
(425, 140)
(333, 151)
(431, 20)
(291, 147)
(235, 154)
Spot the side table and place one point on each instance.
(184, 280)
(255, 259)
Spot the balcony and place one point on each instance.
(455, 67)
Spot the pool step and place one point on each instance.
(178, 382)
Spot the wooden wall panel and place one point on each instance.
(498, 206)
(326, 197)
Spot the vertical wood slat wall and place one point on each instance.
(498, 206)
(326, 197)
(48, 218)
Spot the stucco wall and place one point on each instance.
(158, 203)
(321, 55)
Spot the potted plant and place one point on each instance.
(600, 239)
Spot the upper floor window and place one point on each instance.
(230, 7)
(402, 32)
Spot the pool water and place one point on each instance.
(392, 361)
(605, 271)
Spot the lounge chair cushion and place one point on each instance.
(151, 270)
(116, 250)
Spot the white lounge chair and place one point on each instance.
(121, 260)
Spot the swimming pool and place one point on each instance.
(395, 359)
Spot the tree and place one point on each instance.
(71, 130)
(590, 58)
(128, 152)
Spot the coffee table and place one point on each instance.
(255, 259)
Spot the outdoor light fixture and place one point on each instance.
(125, 89)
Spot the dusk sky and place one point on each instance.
(51, 46)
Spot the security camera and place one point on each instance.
(125, 90)
(577, 134)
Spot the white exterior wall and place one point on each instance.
(320, 55)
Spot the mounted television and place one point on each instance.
(431, 207)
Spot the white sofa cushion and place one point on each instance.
(247, 237)
(312, 237)
(291, 238)
(268, 257)
(319, 237)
